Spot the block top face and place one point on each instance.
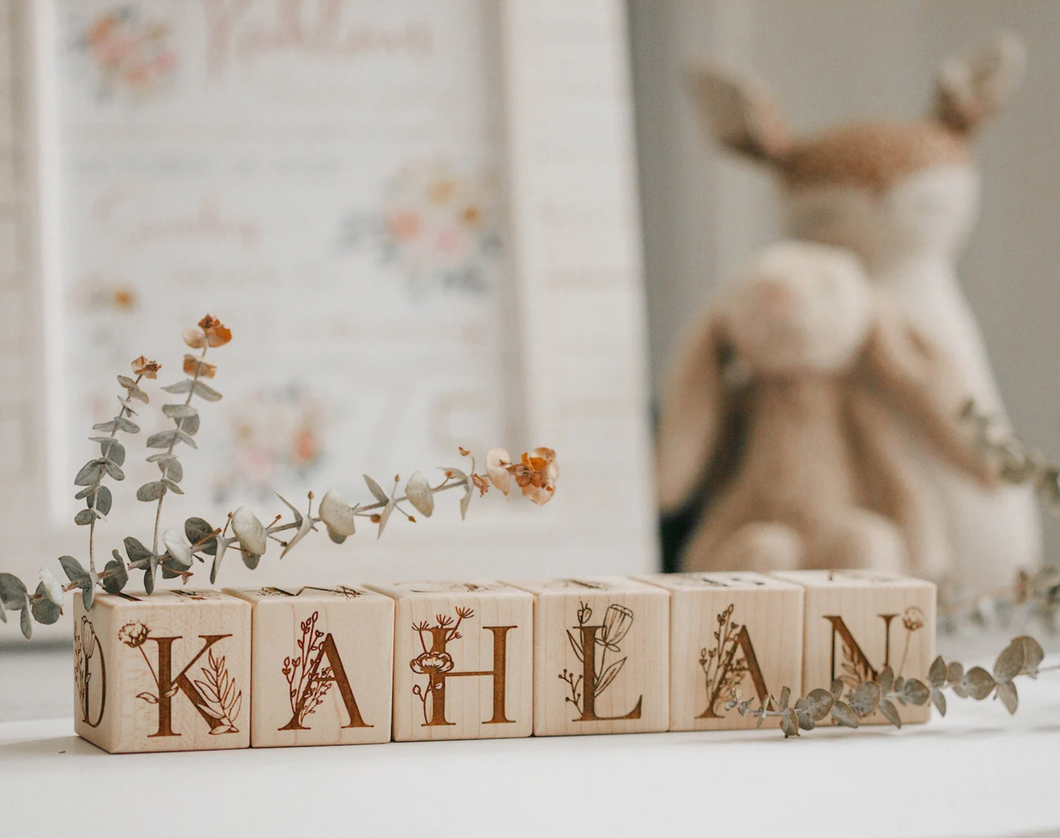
(418, 590)
(731, 580)
(322, 595)
(833, 579)
(166, 599)
(585, 585)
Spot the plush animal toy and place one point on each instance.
(832, 376)
(904, 198)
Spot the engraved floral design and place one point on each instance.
(618, 620)
(86, 644)
(223, 700)
(133, 634)
(724, 665)
(305, 678)
(430, 662)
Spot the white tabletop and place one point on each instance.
(977, 772)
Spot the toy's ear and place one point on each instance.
(923, 382)
(739, 112)
(691, 411)
(973, 87)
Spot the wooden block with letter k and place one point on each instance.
(463, 660)
(733, 637)
(858, 622)
(323, 666)
(166, 672)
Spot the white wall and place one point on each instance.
(830, 62)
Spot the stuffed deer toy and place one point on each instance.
(829, 375)
(903, 197)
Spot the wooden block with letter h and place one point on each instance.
(601, 647)
(733, 637)
(463, 660)
(166, 672)
(323, 666)
(858, 622)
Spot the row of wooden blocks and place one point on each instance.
(190, 670)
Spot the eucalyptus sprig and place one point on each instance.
(174, 551)
(849, 706)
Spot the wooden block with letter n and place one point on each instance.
(463, 660)
(858, 622)
(323, 666)
(733, 636)
(601, 647)
(166, 672)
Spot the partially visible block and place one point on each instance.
(732, 635)
(323, 666)
(601, 652)
(860, 621)
(463, 660)
(167, 672)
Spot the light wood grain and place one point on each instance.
(463, 660)
(730, 631)
(623, 626)
(169, 672)
(889, 618)
(336, 687)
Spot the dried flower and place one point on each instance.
(536, 475)
(198, 368)
(148, 369)
(497, 462)
(210, 332)
(133, 634)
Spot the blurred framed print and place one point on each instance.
(419, 219)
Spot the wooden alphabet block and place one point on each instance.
(858, 622)
(732, 635)
(463, 660)
(323, 666)
(167, 672)
(601, 651)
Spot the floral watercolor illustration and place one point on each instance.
(275, 438)
(130, 54)
(435, 224)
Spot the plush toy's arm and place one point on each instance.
(919, 378)
(691, 410)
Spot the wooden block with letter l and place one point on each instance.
(322, 666)
(463, 660)
(166, 672)
(601, 648)
(858, 622)
(733, 637)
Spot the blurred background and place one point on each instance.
(443, 223)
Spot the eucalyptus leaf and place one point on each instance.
(938, 698)
(376, 490)
(110, 448)
(85, 492)
(101, 502)
(73, 570)
(205, 391)
(916, 692)
(937, 673)
(251, 560)
(163, 439)
(336, 537)
(890, 712)
(843, 715)
(113, 470)
(1021, 657)
(866, 698)
(89, 474)
(1006, 691)
(173, 487)
(179, 411)
(12, 592)
(45, 611)
(123, 424)
(149, 580)
(180, 387)
(197, 530)
(186, 439)
(819, 702)
(135, 550)
(221, 548)
(106, 427)
(190, 424)
(789, 723)
(162, 457)
(84, 517)
(978, 683)
(26, 621)
(886, 679)
(419, 493)
(151, 491)
(116, 576)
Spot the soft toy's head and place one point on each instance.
(797, 306)
(884, 190)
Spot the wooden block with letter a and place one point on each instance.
(858, 622)
(463, 660)
(323, 666)
(733, 636)
(601, 647)
(167, 672)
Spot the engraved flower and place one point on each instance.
(133, 634)
(617, 622)
(913, 619)
(430, 662)
(88, 638)
(148, 369)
